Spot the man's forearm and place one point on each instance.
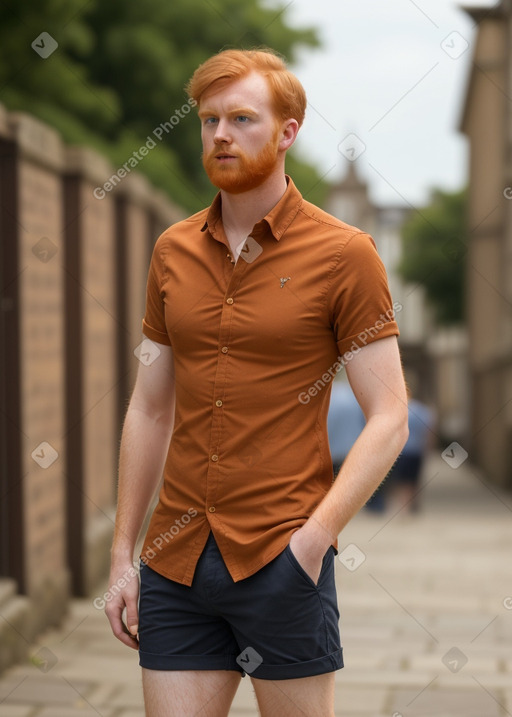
(144, 445)
(365, 467)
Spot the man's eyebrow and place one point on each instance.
(205, 112)
(243, 111)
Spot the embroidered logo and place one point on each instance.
(284, 280)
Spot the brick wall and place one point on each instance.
(73, 275)
(91, 336)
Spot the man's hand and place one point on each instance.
(124, 586)
(309, 544)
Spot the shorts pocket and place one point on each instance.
(298, 567)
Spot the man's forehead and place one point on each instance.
(251, 90)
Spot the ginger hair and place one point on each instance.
(287, 93)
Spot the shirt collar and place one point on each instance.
(278, 219)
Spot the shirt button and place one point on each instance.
(224, 349)
(211, 509)
(215, 458)
(218, 403)
(229, 301)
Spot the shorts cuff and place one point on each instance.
(151, 661)
(293, 670)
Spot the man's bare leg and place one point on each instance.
(189, 693)
(308, 696)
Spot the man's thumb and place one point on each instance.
(132, 617)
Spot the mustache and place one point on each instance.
(215, 152)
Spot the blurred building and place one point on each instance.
(349, 200)
(434, 359)
(487, 122)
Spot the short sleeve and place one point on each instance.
(359, 300)
(153, 324)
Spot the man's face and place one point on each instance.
(240, 134)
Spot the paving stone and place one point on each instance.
(244, 703)
(84, 710)
(433, 703)
(101, 695)
(491, 681)
(507, 696)
(96, 667)
(467, 626)
(128, 696)
(475, 663)
(48, 690)
(359, 700)
(366, 661)
(16, 710)
(497, 650)
(9, 683)
(384, 678)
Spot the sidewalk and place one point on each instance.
(426, 621)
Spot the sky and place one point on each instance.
(387, 91)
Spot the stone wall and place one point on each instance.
(73, 275)
(487, 122)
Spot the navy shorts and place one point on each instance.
(274, 625)
(407, 469)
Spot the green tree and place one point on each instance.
(434, 248)
(120, 69)
(32, 83)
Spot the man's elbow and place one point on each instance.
(157, 412)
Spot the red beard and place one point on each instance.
(245, 172)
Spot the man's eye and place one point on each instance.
(210, 120)
(242, 119)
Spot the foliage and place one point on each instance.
(120, 69)
(434, 248)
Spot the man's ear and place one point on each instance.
(289, 131)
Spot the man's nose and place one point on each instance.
(222, 133)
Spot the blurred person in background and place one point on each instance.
(251, 303)
(401, 487)
(345, 422)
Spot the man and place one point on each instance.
(251, 303)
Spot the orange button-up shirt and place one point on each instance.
(256, 345)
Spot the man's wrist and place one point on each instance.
(121, 554)
(317, 533)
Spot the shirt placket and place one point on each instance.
(225, 359)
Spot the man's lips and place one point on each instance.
(224, 156)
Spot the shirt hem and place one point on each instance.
(365, 338)
(155, 335)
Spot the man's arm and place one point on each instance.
(145, 440)
(376, 377)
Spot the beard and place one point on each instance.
(246, 172)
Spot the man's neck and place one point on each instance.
(240, 212)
